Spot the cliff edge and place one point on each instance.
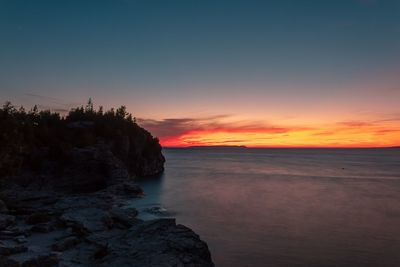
(66, 185)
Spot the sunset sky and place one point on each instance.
(299, 73)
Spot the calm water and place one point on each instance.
(285, 207)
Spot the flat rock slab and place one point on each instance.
(87, 219)
(93, 229)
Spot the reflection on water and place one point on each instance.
(285, 207)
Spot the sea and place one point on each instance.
(283, 207)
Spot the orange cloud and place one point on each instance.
(216, 131)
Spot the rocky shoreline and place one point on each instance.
(65, 184)
(48, 228)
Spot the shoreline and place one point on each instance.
(45, 228)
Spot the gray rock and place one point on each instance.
(86, 220)
(95, 229)
(157, 211)
(125, 216)
(126, 189)
(133, 189)
(158, 243)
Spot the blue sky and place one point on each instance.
(266, 60)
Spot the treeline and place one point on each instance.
(22, 133)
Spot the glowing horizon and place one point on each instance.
(350, 134)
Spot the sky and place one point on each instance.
(299, 73)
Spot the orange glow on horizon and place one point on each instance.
(346, 135)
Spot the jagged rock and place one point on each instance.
(126, 188)
(96, 162)
(124, 216)
(158, 243)
(157, 210)
(133, 189)
(66, 243)
(104, 232)
(9, 250)
(6, 221)
(86, 219)
(90, 169)
(71, 203)
(22, 201)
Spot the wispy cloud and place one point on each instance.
(225, 130)
(51, 103)
(178, 126)
(355, 123)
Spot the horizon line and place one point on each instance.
(283, 147)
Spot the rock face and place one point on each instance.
(87, 169)
(158, 243)
(64, 188)
(47, 228)
(101, 148)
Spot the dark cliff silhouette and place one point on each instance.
(95, 145)
(66, 185)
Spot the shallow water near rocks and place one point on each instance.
(284, 207)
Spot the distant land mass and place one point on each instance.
(216, 146)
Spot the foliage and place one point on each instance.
(23, 134)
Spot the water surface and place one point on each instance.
(285, 207)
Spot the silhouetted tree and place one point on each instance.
(22, 132)
(89, 106)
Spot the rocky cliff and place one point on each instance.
(46, 228)
(88, 147)
(66, 190)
